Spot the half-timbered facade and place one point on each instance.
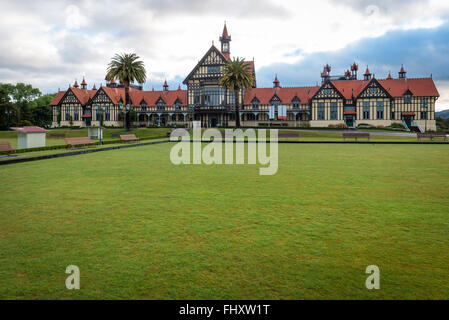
(338, 101)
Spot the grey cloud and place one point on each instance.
(239, 8)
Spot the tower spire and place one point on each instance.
(225, 40)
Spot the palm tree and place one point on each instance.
(126, 68)
(237, 76)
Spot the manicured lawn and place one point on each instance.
(153, 133)
(139, 227)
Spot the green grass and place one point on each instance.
(152, 133)
(139, 227)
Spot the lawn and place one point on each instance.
(139, 227)
(147, 133)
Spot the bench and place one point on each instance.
(432, 135)
(82, 141)
(116, 135)
(288, 135)
(57, 135)
(5, 146)
(355, 135)
(128, 137)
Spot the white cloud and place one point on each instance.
(54, 42)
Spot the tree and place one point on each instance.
(126, 68)
(237, 76)
(42, 111)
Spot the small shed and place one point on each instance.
(30, 137)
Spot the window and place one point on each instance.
(424, 102)
(255, 104)
(180, 117)
(407, 98)
(393, 117)
(250, 117)
(143, 106)
(327, 91)
(98, 115)
(296, 103)
(366, 110)
(213, 69)
(334, 111)
(380, 110)
(107, 112)
(213, 96)
(76, 114)
(67, 113)
(321, 111)
(160, 105)
(231, 97)
(196, 96)
(373, 90)
(424, 115)
(177, 105)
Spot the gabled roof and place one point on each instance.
(57, 98)
(419, 87)
(213, 48)
(264, 95)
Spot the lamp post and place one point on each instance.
(8, 113)
(101, 110)
(124, 109)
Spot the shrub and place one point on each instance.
(397, 126)
(380, 127)
(338, 126)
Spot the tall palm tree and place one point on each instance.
(126, 68)
(237, 76)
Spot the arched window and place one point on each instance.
(173, 118)
(181, 117)
(250, 117)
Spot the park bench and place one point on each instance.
(5, 146)
(128, 137)
(57, 135)
(432, 135)
(355, 135)
(288, 135)
(81, 141)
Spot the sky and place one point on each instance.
(52, 43)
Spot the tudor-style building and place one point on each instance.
(338, 100)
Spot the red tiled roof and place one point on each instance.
(367, 72)
(419, 87)
(351, 88)
(30, 129)
(57, 98)
(264, 95)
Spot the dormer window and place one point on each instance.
(373, 90)
(275, 101)
(143, 106)
(255, 104)
(327, 91)
(407, 98)
(177, 105)
(296, 103)
(160, 105)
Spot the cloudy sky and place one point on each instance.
(51, 43)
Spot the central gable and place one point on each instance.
(328, 91)
(70, 97)
(209, 66)
(101, 97)
(374, 90)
